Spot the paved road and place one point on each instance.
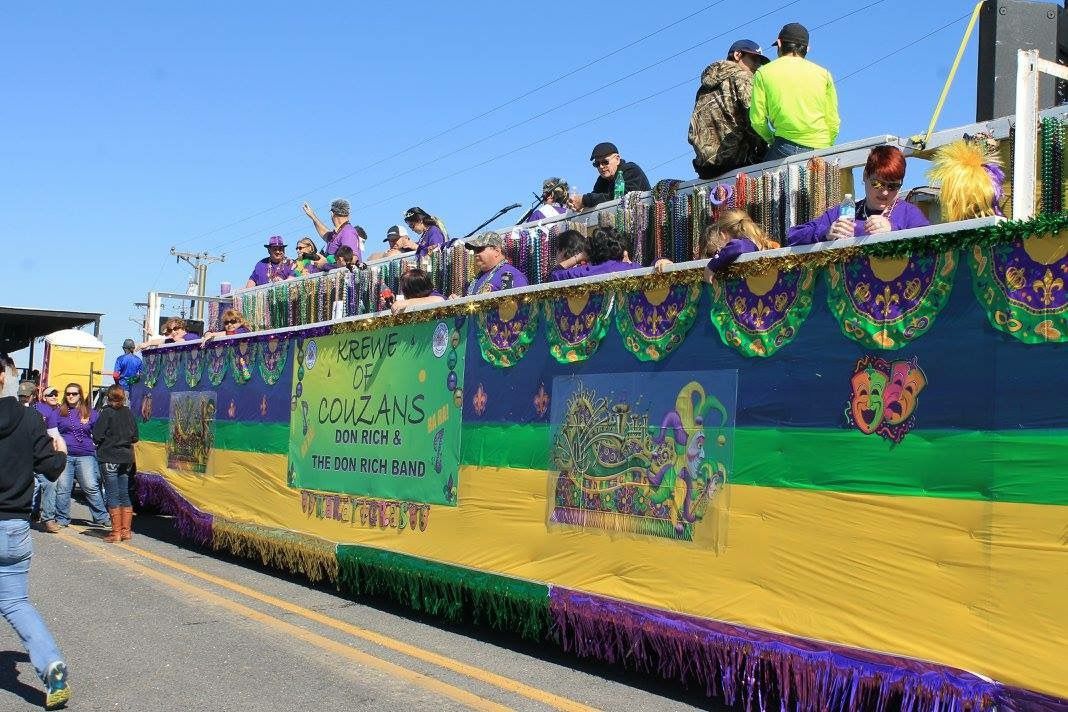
(156, 624)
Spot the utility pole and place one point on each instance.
(199, 261)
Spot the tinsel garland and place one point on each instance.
(453, 592)
(281, 549)
(958, 240)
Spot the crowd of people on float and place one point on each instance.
(749, 108)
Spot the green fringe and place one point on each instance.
(966, 239)
(452, 592)
(277, 548)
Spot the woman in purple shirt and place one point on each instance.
(76, 420)
(607, 254)
(431, 236)
(881, 210)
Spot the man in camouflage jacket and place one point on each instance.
(720, 132)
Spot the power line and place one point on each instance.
(459, 125)
(557, 107)
(905, 47)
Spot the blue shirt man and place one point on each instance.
(127, 367)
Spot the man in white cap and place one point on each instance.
(399, 243)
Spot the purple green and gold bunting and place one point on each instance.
(193, 366)
(576, 324)
(1022, 285)
(216, 363)
(506, 331)
(152, 361)
(760, 313)
(271, 360)
(654, 322)
(172, 367)
(887, 302)
(240, 356)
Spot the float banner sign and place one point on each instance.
(377, 413)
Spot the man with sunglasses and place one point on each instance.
(615, 177)
(496, 273)
(275, 267)
(878, 212)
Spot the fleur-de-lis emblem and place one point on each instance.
(759, 312)
(887, 299)
(480, 399)
(541, 401)
(1047, 286)
(739, 305)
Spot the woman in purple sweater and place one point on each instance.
(881, 210)
(76, 421)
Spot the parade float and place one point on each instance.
(833, 478)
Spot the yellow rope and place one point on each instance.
(949, 79)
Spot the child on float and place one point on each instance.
(607, 253)
(417, 289)
(731, 236)
(114, 434)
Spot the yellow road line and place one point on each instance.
(476, 673)
(398, 671)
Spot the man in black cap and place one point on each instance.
(615, 177)
(794, 106)
(720, 132)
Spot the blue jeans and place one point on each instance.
(16, 549)
(84, 468)
(780, 148)
(117, 484)
(44, 497)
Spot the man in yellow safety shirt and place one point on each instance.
(794, 106)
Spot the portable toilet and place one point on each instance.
(71, 356)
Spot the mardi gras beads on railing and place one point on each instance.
(698, 218)
(679, 226)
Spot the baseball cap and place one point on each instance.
(606, 148)
(26, 389)
(749, 47)
(395, 232)
(793, 32)
(51, 391)
(486, 239)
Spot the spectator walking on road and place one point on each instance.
(114, 434)
(76, 420)
(25, 447)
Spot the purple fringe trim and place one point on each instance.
(1015, 699)
(192, 524)
(762, 669)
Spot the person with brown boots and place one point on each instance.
(114, 433)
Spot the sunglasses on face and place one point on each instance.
(167, 332)
(76, 394)
(51, 395)
(884, 184)
(601, 162)
(229, 322)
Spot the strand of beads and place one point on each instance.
(698, 219)
(775, 206)
(680, 227)
(834, 187)
(659, 217)
(740, 185)
(764, 203)
(1045, 148)
(1058, 165)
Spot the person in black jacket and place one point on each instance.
(26, 448)
(615, 177)
(114, 433)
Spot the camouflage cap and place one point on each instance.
(486, 239)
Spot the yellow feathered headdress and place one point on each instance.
(971, 179)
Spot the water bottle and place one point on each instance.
(848, 210)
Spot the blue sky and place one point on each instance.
(133, 127)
